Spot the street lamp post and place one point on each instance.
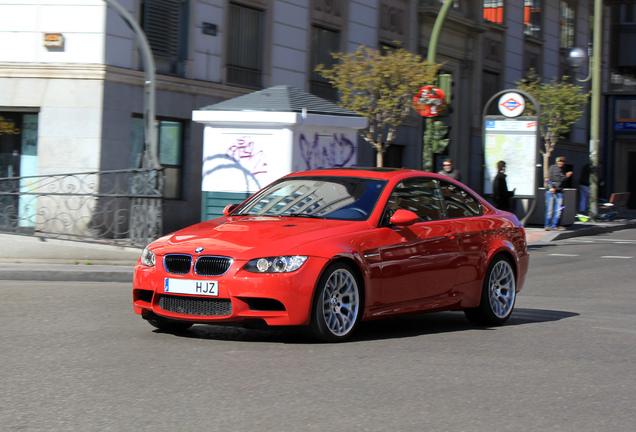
(576, 57)
(595, 107)
(150, 136)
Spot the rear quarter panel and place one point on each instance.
(482, 238)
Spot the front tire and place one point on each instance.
(337, 306)
(498, 294)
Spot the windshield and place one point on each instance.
(346, 198)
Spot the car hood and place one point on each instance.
(248, 237)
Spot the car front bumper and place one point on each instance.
(276, 298)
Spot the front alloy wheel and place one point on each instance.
(338, 304)
(498, 294)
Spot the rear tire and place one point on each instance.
(337, 306)
(498, 294)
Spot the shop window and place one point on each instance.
(245, 46)
(18, 158)
(170, 148)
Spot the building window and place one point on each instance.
(567, 25)
(490, 86)
(165, 23)
(170, 148)
(323, 43)
(493, 11)
(245, 46)
(532, 64)
(532, 18)
(628, 14)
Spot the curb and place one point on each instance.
(65, 273)
(592, 230)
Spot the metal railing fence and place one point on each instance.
(121, 207)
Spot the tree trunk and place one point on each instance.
(379, 159)
(546, 166)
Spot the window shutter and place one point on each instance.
(161, 24)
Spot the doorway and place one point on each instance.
(18, 158)
(625, 175)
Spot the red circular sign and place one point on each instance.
(429, 101)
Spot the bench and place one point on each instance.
(617, 202)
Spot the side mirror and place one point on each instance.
(403, 217)
(229, 209)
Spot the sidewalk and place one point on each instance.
(42, 259)
(536, 235)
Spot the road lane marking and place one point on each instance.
(616, 241)
(617, 257)
(564, 255)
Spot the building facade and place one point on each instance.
(72, 84)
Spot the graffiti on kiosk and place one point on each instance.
(326, 151)
(245, 153)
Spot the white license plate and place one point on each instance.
(189, 286)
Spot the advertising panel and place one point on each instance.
(515, 142)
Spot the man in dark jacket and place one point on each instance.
(554, 194)
(450, 171)
(500, 193)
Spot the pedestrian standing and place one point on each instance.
(584, 189)
(554, 194)
(450, 171)
(501, 194)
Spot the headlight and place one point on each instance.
(281, 264)
(148, 258)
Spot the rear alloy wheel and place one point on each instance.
(168, 325)
(338, 304)
(498, 294)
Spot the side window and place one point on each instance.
(421, 196)
(459, 203)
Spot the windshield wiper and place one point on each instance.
(303, 215)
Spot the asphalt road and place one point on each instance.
(74, 356)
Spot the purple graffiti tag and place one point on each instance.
(334, 152)
(245, 153)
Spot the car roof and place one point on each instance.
(378, 173)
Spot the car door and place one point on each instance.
(418, 261)
(472, 230)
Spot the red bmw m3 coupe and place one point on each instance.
(327, 249)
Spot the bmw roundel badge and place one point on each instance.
(198, 250)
